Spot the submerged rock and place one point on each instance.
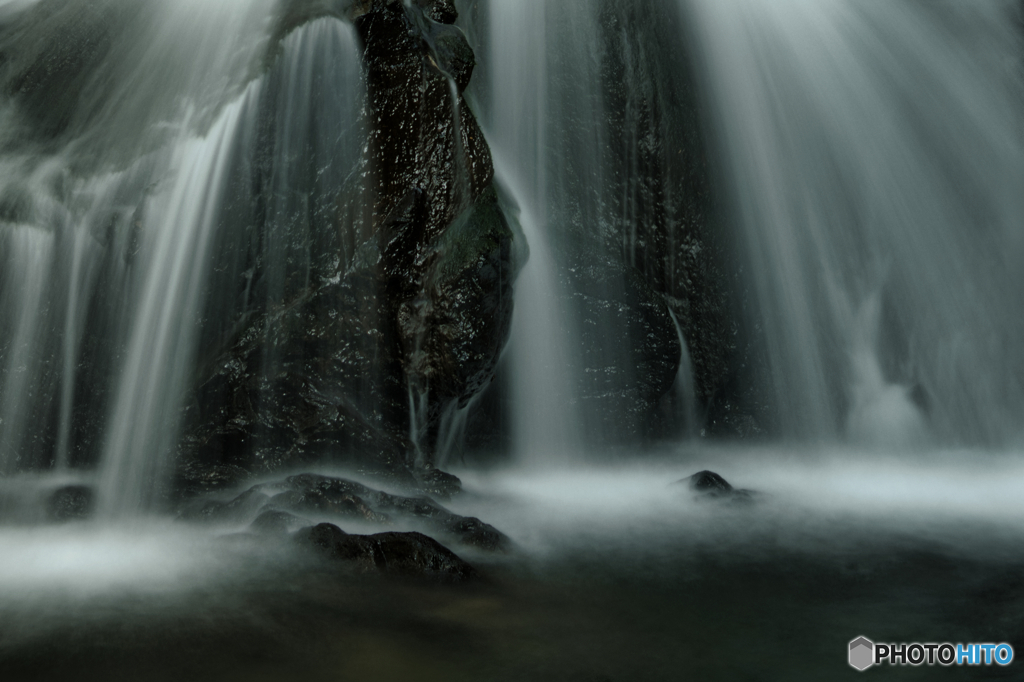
(708, 484)
(312, 495)
(396, 554)
(439, 483)
(276, 522)
(71, 503)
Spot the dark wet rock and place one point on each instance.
(276, 522)
(442, 11)
(410, 555)
(452, 54)
(328, 501)
(199, 478)
(408, 292)
(710, 484)
(71, 503)
(313, 494)
(438, 483)
(621, 382)
(236, 510)
(466, 530)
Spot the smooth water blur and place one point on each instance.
(550, 109)
(27, 252)
(86, 561)
(618, 571)
(543, 343)
(874, 157)
(159, 359)
(127, 217)
(312, 99)
(828, 503)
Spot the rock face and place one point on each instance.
(622, 382)
(410, 301)
(635, 223)
(710, 483)
(674, 235)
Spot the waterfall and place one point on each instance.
(27, 266)
(127, 224)
(294, 131)
(571, 135)
(545, 416)
(154, 375)
(874, 162)
(684, 390)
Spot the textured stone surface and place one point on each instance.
(708, 484)
(312, 495)
(408, 555)
(411, 301)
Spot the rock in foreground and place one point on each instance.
(708, 484)
(313, 495)
(395, 554)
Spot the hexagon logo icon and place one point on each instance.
(862, 653)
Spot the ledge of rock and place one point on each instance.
(312, 495)
(395, 554)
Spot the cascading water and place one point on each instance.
(545, 417)
(149, 190)
(573, 168)
(159, 358)
(255, 281)
(875, 162)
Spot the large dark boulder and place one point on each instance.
(409, 555)
(410, 300)
(709, 485)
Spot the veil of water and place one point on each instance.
(875, 160)
(115, 214)
(551, 129)
(545, 415)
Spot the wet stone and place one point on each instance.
(408, 555)
(276, 522)
(71, 503)
(312, 495)
(438, 483)
(708, 484)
